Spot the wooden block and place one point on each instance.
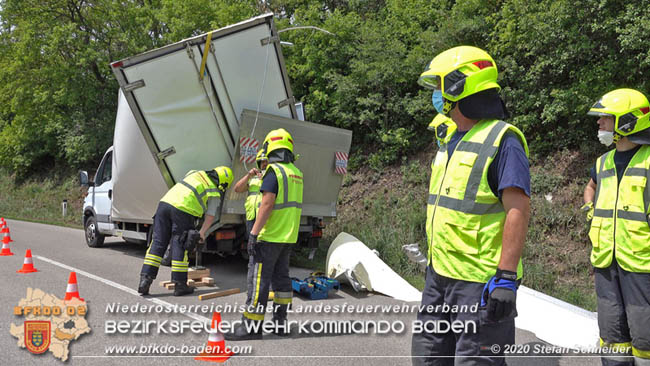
(170, 286)
(202, 284)
(213, 295)
(165, 283)
(208, 280)
(197, 274)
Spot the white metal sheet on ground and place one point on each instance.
(555, 321)
(137, 182)
(348, 255)
(551, 320)
(178, 113)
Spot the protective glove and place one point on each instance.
(589, 209)
(252, 244)
(500, 295)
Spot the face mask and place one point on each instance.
(606, 137)
(437, 100)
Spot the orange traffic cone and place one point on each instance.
(216, 348)
(28, 264)
(5, 249)
(72, 290)
(6, 235)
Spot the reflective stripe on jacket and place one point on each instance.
(192, 193)
(620, 224)
(284, 222)
(465, 219)
(253, 198)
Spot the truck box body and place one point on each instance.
(137, 182)
(181, 109)
(190, 123)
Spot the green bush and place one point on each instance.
(58, 95)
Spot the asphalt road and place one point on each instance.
(109, 275)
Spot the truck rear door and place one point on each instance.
(187, 97)
(322, 151)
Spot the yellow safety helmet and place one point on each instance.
(260, 158)
(277, 139)
(629, 107)
(460, 72)
(444, 127)
(225, 177)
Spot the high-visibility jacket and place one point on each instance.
(464, 218)
(253, 199)
(191, 195)
(621, 225)
(284, 222)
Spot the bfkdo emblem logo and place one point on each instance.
(37, 335)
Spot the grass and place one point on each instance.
(556, 255)
(39, 200)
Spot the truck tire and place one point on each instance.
(93, 238)
(244, 255)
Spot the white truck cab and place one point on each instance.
(97, 205)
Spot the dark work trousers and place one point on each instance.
(623, 315)
(249, 227)
(269, 266)
(481, 342)
(169, 225)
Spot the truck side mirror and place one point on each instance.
(83, 179)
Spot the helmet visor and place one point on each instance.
(598, 110)
(599, 114)
(429, 81)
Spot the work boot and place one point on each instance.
(281, 328)
(181, 289)
(280, 324)
(145, 283)
(240, 332)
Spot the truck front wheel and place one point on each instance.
(93, 238)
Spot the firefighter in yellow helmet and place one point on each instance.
(617, 199)
(252, 182)
(199, 193)
(443, 127)
(477, 213)
(269, 245)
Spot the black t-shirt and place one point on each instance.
(269, 182)
(621, 161)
